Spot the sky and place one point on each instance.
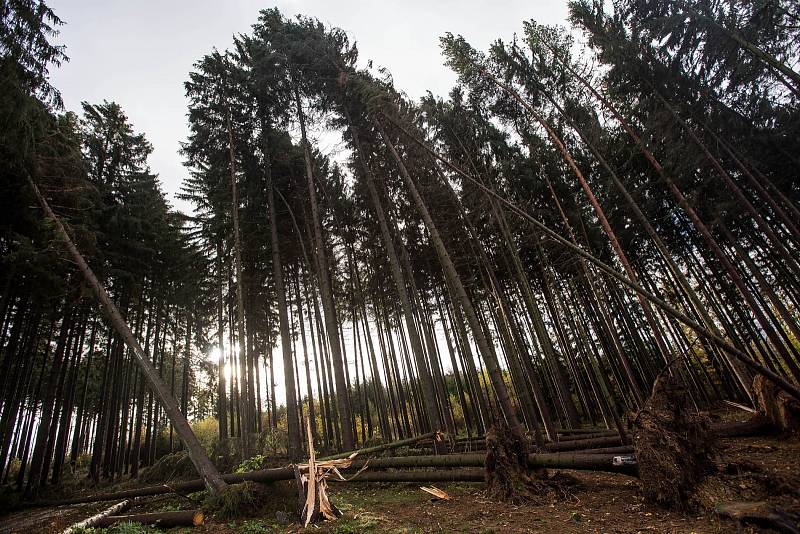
(139, 53)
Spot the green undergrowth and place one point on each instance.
(234, 501)
(249, 499)
(169, 467)
(122, 528)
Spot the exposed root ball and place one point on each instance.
(674, 447)
(507, 476)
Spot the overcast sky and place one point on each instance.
(139, 53)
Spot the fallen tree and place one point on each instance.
(97, 518)
(586, 462)
(384, 447)
(578, 444)
(184, 518)
(205, 468)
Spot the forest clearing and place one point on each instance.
(565, 297)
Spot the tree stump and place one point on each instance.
(780, 408)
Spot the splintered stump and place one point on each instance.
(312, 488)
(674, 447)
(315, 506)
(780, 409)
(507, 474)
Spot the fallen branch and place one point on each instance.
(95, 519)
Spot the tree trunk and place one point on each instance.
(198, 456)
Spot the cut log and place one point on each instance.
(185, 518)
(94, 520)
(622, 449)
(565, 431)
(384, 447)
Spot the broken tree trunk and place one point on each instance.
(184, 518)
(93, 521)
(315, 506)
(780, 408)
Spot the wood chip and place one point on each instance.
(436, 492)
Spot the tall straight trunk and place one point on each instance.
(222, 408)
(328, 305)
(244, 384)
(294, 446)
(710, 242)
(80, 426)
(495, 373)
(312, 415)
(428, 393)
(35, 479)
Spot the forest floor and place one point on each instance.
(599, 503)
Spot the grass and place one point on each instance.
(256, 527)
(122, 528)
